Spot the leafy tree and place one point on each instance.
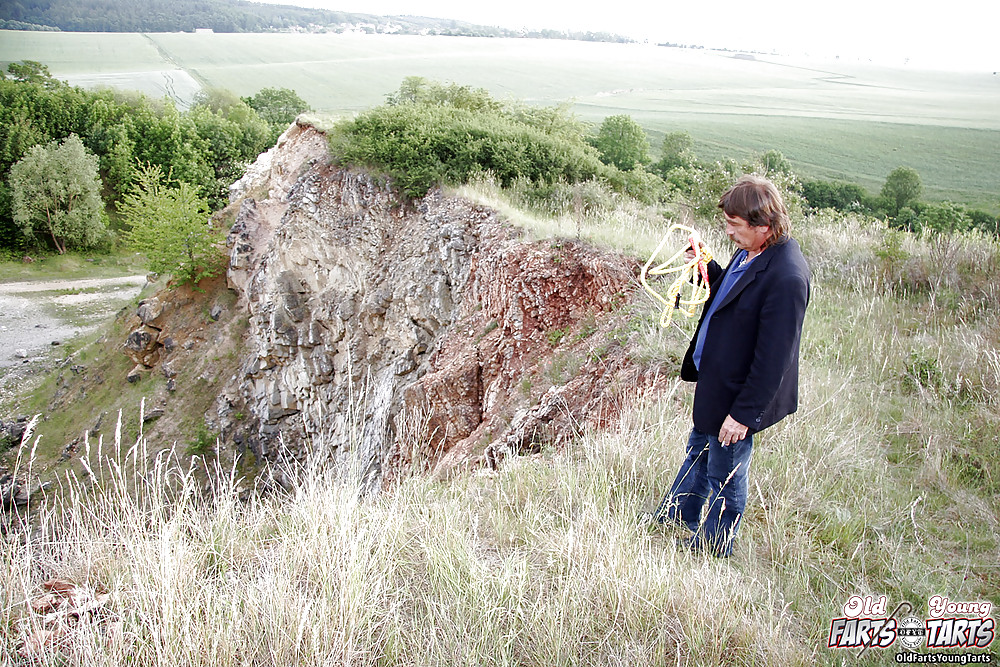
(622, 143)
(775, 163)
(677, 151)
(217, 99)
(56, 191)
(278, 107)
(32, 71)
(418, 90)
(944, 217)
(984, 221)
(432, 134)
(907, 218)
(902, 187)
(840, 196)
(169, 224)
(231, 135)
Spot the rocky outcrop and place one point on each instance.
(394, 336)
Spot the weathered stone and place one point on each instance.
(98, 424)
(142, 347)
(12, 432)
(149, 310)
(390, 334)
(135, 374)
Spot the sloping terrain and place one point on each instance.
(382, 335)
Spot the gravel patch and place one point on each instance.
(37, 317)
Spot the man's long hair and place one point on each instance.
(757, 200)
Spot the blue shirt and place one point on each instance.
(737, 267)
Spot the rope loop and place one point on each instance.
(692, 275)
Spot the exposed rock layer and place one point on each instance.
(392, 336)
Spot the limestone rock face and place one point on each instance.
(390, 336)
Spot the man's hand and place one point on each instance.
(732, 431)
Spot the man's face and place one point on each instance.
(744, 235)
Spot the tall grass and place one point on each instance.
(539, 564)
(882, 483)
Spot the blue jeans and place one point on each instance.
(713, 475)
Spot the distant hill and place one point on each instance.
(239, 16)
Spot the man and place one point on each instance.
(745, 358)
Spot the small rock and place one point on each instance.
(56, 342)
(21, 353)
(135, 374)
(216, 312)
(149, 310)
(97, 426)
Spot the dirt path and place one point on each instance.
(38, 316)
(59, 285)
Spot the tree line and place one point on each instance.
(69, 157)
(239, 16)
(429, 133)
(84, 169)
(169, 15)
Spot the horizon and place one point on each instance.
(916, 37)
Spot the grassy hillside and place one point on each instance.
(830, 119)
(884, 483)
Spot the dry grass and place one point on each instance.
(880, 484)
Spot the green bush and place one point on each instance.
(203, 443)
(169, 223)
(420, 146)
(432, 134)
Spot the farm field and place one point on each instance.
(831, 119)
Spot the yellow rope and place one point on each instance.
(687, 275)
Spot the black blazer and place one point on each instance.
(750, 362)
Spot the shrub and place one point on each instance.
(56, 195)
(432, 134)
(170, 225)
(420, 146)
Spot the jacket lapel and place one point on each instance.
(758, 264)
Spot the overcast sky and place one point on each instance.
(959, 32)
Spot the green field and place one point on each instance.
(831, 119)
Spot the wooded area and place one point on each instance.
(207, 147)
(239, 16)
(427, 134)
